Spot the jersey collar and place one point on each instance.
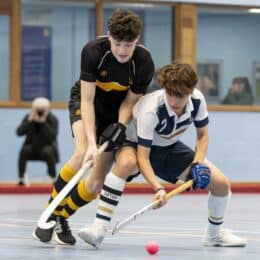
(189, 106)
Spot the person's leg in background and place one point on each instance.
(24, 156)
(48, 155)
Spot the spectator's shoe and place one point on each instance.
(62, 232)
(21, 182)
(27, 180)
(94, 234)
(224, 239)
(44, 235)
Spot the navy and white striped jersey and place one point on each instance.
(155, 123)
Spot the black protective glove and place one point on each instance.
(114, 134)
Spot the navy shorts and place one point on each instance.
(170, 161)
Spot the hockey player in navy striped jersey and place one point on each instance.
(159, 120)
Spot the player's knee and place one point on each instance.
(220, 185)
(94, 186)
(127, 164)
(226, 185)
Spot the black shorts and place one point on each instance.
(170, 161)
(167, 162)
(104, 114)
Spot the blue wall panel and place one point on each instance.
(234, 144)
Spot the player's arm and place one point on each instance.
(200, 173)
(88, 90)
(126, 108)
(114, 134)
(145, 167)
(201, 145)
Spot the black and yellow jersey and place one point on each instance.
(114, 79)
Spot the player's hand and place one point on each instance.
(114, 134)
(160, 194)
(91, 154)
(201, 175)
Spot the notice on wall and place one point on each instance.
(36, 62)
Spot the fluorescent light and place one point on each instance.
(254, 10)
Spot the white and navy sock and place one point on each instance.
(109, 198)
(216, 206)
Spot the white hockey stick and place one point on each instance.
(42, 222)
(149, 207)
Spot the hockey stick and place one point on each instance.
(139, 213)
(42, 222)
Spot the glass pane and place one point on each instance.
(4, 57)
(52, 65)
(228, 55)
(157, 31)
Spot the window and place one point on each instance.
(4, 57)
(229, 40)
(157, 30)
(62, 29)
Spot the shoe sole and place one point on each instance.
(88, 239)
(60, 242)
(37, 238)
(208, 244)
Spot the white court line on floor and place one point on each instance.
(174, 233)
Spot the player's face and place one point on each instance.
(177, 104)
(122, 50)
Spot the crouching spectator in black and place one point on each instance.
(40, 127)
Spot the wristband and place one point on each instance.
(156, 190)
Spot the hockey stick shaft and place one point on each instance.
(149, 207)
(66, 189)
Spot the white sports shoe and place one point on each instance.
(93, 235)
(225, 239)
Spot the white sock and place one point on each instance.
(216, 206)
(109, 198)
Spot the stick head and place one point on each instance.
(114, 230)
(46, 225)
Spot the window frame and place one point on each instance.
(12, 8)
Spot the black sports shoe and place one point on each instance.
(63, 233)
(44, 235)
(21, 183)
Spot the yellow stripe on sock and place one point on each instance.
(71, 204)
(57, 212)
(84, 194)
(67, 172)
(216, 218)
(64, 213)
(105, 209)
(54, 195)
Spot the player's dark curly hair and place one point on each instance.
(178, 79)
(124, 25)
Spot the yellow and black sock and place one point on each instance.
(66, 173)
(78, 198)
